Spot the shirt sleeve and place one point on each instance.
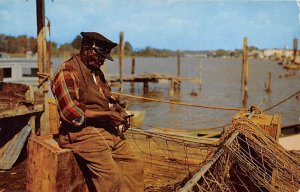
(65, 88)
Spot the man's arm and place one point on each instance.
(112, 115)
(65, 89)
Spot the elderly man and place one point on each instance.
(91, 117)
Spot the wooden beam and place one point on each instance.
(49, 63)
(41, 42)
(178, 63)
(245, 64)
(1, 74)
(42, 57)
(295, 48)
(269, 87)
(132, 73)
(146, 86)
(178, 68)
(121, 56)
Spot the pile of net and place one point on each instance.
(245, 159)
(167, 157)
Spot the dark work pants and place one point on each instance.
(112, 164)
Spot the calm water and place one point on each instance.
(220, 87)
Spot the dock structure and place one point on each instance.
(147, 78)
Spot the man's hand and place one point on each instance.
(116, 118)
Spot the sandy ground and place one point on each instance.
(14, 180)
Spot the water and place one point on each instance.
(220, 87)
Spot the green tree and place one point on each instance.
(252, 48)
(12, 44)
(220, 53)
(54, 50)
(128, 48)
(23, 46)
(32, 43)
(2, 43)
(76, 43)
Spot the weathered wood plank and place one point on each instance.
(21, 110)
(12, 149)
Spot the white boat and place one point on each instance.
(137, 119)
(20, 70)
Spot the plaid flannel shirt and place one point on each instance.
(65, 88)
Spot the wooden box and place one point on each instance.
(270, 123)
(52, 169)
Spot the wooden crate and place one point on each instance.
(52, 169)
(270, 123)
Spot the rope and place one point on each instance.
(192, 129)
(298, 92)
(180, 103)
(203, 106)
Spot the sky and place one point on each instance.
(163, 24)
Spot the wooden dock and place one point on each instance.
(147, 78)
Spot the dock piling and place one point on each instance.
(245, 72)
(200, 76)
(269, 87)
(146, 87)
(245, 67)
(132, 73)
(295, 49)
(1, 75)
(121, 56)
(42, 57)
(41, 41)
(178, 70)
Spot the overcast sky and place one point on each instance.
(170, 24)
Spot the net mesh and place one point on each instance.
(246, 158)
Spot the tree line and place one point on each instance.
(22, 44)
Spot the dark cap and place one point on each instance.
(100, 44)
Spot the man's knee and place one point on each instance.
(136, 168)
(139, 166)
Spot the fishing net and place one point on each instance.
(167, 158)
(246, 158)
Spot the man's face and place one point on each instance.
(92, 59)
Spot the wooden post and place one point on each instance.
(41, 47)
(121, 60)
(295, 49)
(132, 66)
(200, 76)
(243, 68)
(245, 64)
(178, 68)
(1, 75)
(242, 77)
(146, 86)
(30, 97)
(132, 74)
(49, 67)
(172, 87)
(269, 87)
(53, 117)
(41, 42)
